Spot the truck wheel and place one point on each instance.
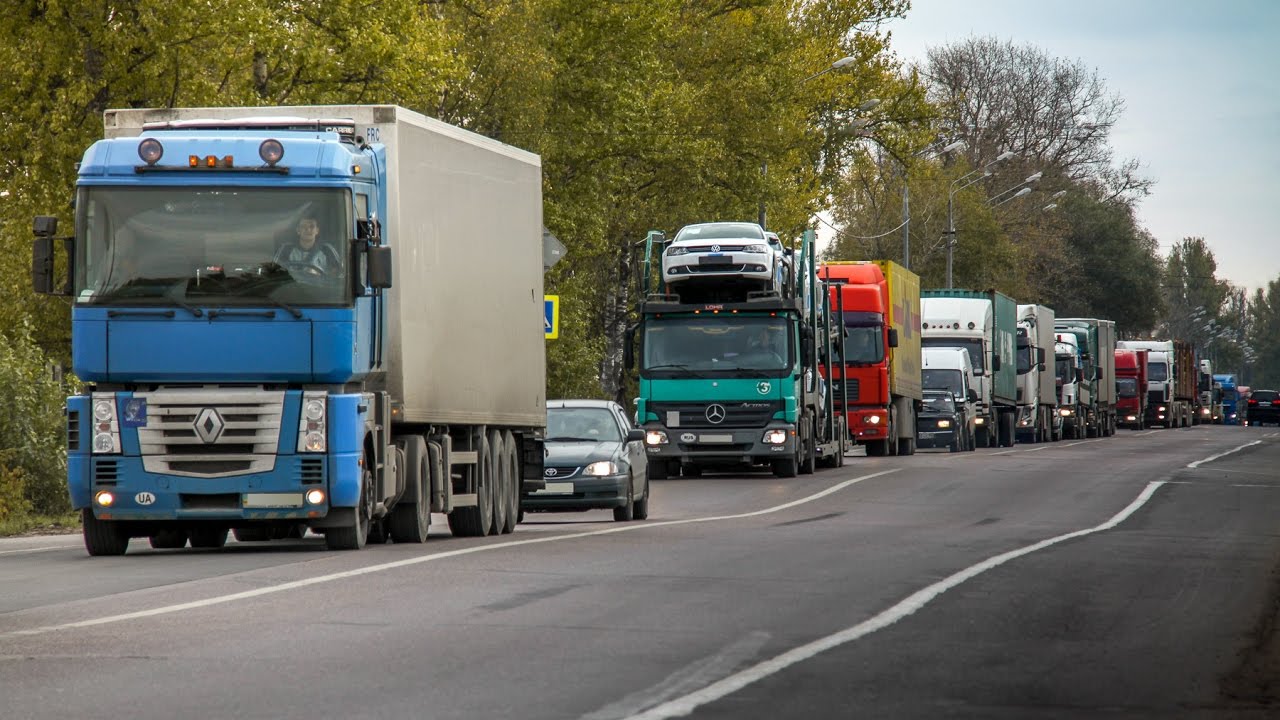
(807, 459)
(785, 468)
(102, 537)
(656, 469)
(955, 444)
(627, 512)
(475, 520)
(208, 537)
(409, 521)
(498, 487)
(690, 470)
(514, 481)
(169, 540)
(877, 448)
(354, 534)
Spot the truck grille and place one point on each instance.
(852, 389)
(205, 432)
(701, 415)
(1155, 397)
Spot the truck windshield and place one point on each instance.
(864, 345)
(1127, 387)
(229, 246)
(949, 380)
(974, 347)
(1024, 359)
(1065, 374)
(1157, 372)
(707, 346)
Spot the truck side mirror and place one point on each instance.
(628, 349)
(995, 362)
(1079, 375)
(379, 267)
(368, 230)
(806, 347)
(1099, 373)
(973, 395)
(1040, 358)
(44, 226)
(893, 337)
(42, 266)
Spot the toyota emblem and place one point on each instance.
(715, 414)
(551, 472)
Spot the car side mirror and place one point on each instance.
(635, 435)
(893, 337)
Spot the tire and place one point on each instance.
(102, 537)
(409, 522)
(355, 533)
(808, 461)
(973, 442)
(251, 534)
(514, 481)
(297, 532)
(208, 537)
(476, 520)
(498, 474)
(627, 512)
(907, 447)
(640, 510)
(169, 540)
(786, 468)
(878, 448)
(955, 444)
(690, 470)
(656, 469)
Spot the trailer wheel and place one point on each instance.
(208, 537)
(514, 481)
(355, 533)
(169, 540)
(475, 520)
(409, 522)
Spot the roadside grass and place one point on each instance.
(40, 525)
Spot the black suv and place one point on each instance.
(943, 422)
(1264, 407)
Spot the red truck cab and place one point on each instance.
(860, 295)
(1131, 388)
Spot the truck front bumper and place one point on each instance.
(868, 424)
(719, 445)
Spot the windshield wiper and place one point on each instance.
(178, 303)
(295, 312)
(668, 366)
(570, 439)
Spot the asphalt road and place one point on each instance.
(1105, 578)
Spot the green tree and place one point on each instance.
(1263, 336)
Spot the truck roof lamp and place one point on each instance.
(271, 151)
(150, 150)
(972, 326)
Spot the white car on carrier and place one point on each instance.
(721, 251)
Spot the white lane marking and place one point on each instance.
(1197, 463)
(686, 705)
(1042, 447)
(691, 677)
(319, 579)
(1082, 442)
(1149, 432)
(36, 549)
(1003, 452)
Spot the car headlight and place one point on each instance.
(601, 469)
(677, 251)
(655, 437)
(756, 249)
(944, 424)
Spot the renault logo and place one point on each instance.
(209, 425)
(715, 414)
(551, 472)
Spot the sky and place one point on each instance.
(1201, 86)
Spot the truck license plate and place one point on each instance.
(723, 439)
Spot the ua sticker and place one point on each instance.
(144, 498)
(763, 388)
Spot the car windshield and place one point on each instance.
(212, 245)
(1157, 372)
(1127, 387)
(949, 380)
(720, 231)
(581, 424)
(939, 402)
(716, 345)
(973, 346)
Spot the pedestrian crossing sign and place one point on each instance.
(551, 316)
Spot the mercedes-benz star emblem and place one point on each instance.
(551, 472)
(208, 425)
(715, 414)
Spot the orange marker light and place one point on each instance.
(193, 160)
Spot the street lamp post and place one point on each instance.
(956, 187)
(906, 197)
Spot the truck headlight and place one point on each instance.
(1161, 409)
(872, 420)
(1066, 412)
(601, 469)
(311, 426)
(655, 437)
(979, 421)
(774, 437)
(106, 429)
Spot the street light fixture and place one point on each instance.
(1018, 194)
(957, 186)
